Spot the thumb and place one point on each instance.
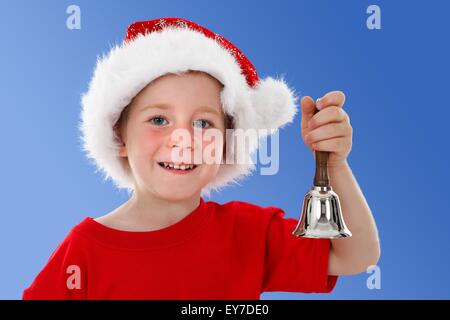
(308, 108)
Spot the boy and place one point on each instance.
(173, 76)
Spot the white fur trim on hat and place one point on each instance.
(121, 74)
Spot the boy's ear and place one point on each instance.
(122, 152)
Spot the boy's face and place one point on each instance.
(151, 135)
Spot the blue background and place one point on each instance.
(397, 87)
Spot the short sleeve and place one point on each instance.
(295, 264)
(62, 277)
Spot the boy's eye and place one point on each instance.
(157, 120)
(201, 122)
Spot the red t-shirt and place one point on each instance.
(235, 250)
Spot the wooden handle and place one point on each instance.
(321, 175)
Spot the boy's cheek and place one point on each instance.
(148, 142)
(213, 151)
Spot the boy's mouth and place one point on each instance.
(176, 167)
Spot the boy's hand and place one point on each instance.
(329, 129)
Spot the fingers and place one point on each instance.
(329, 114)
(328, 131)
(332, 98)
(338, 144)
(308, 106)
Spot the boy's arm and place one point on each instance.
(354, 254)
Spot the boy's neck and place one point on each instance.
(146, 211)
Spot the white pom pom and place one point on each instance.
(274, 104)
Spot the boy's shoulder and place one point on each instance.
(76, 235)
(244, 206)
(76, 240)
(246, 210)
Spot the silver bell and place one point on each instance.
(321, 213)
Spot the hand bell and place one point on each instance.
(321, 212)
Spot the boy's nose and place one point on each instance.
(182, 144)
(182, 137)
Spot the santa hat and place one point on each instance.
(172, 45)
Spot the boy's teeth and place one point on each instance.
(178, 167)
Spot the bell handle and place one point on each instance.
(321, 175)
